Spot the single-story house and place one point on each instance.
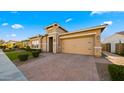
(25, 43)
(113, 39)
(18, 44)
(11, 43)
(58, 40)
(22, 44)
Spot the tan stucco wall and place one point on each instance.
(54, 32)
(44, 44)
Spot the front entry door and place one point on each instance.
(50, 44)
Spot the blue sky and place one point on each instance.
(21, 25)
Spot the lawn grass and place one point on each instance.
(116, 72)
(13, 55)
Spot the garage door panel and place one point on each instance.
(82, 45)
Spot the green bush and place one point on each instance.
(39, 50)
(35, 53)
(27, 48)
(32, 50)
(122, 53)
(2, 47)
(116, 72)
(22, 48)
(23, 57)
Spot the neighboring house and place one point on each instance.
(11, 43)
(18, 44)
(113, 39)
(25, 43)
(58, 40)
(35, 42)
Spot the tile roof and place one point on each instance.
(121, 33)
(55, 24)
(102, 27)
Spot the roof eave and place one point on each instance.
(102, 27)
(55, 24)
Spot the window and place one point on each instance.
(35, 44)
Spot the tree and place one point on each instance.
(2, 46)
(2, 41)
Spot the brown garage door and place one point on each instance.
(81, 45)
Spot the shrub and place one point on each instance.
(16, 46)
(116, 72)
(35, 53)
(27, 48)
(32, 50)
(39, 50)
(23, 48)
(23, 57)
(1, 47)
(122, 53)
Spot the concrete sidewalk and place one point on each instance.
(8, 71)
(114, 58)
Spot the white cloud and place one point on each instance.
(98, 12)
(17, 26)
(108, 22)
(13, 35)
(4, 24)
(68, 20)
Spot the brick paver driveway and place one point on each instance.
(64, 67)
